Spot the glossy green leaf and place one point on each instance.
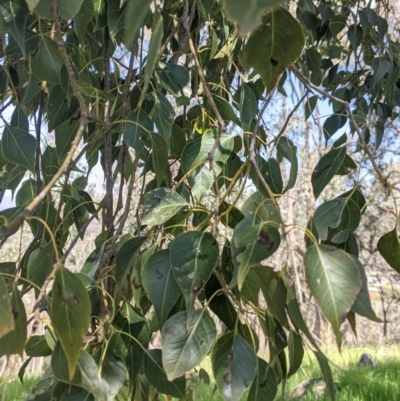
(47, 61)
(137, 129)
(186, 341)
(234, 365)
(172, 77)
(252, 244)
(164, 115)
(19, 147)
(58, 109)
(247, 14)
(113, 373)
(135, 17)
(248, 106)
(160, 284)
(296, 352)
(334, 279)
(160, 205)
(37, 346)
(193, 256)
(389, 248)
(326, 168)
(86, 374)
(201, 182)
(157, 377)
(343, 214)
(262, 208)
(264, 386)
(15, 14)
(82, 19)
(224, 108)
(70, 315)
(14, 341)
(40, 264)
(157, 31)
(274, 45)
(159, 156)
(6, 317)
(65, 134)
(125, 260)
(288, 150)
(333, 124)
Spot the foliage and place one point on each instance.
(169, 99)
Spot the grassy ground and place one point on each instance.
(356, 384)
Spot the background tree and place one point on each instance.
(204, 119)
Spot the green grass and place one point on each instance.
(356, 384)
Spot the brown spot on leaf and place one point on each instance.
(274, 62)
(135, 284)
(76, 301)
(263, 238)
(264, 383)
(159, 275)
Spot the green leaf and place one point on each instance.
(362, 304)
(193, 256)
(58, 109)
(160, 205)
(343, 214)
(40, 264)
(177, 140)
(82, 19)
(37, 346)
(273, 290)
(389, 248)
(86, 374)
(114, 374)
(201, 182)
(125, 260)
(313, 60)
(164, 115)
(6, 317)
(326, 168)
(381, 67)
(172, 77)
(274, 45)
(247, 14)
(156, 376)
(137, 129)
(296, 352)
(70, 314)
(19, 147)
(252, 243)
(14, 341)
(159, 282)
(47, 62)
(65, 134)
(136, 15)
(264, 386)
(195, 155)
(234, 365)
(334, 279)
(186, 342)
(89, 90)
(262, 208)
(288, 150)
(15, 14)
(248, 106)
(333, 124)
(224, 108)
(326, 373)
(159, 156)
(157, 31)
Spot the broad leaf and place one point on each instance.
(157, 378)
(193, 256)
(6, 317)
(86, 374)
(247, 14)
(264, 386)
(234, 365)
(160, 205)
(137, 129)
(19, 147)
(248, 106)
(274, 45)
(159, 282)
(296, 352)
(37, 346)
(14, 341)
(135, 17)
(389, 248)
(70, 314)
(252, 244)
(186, 342)
(173, 77)
(334, 279)
(288, 150)
(125, 259)
(326, 168)
(159, 156)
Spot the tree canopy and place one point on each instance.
(166, 127)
